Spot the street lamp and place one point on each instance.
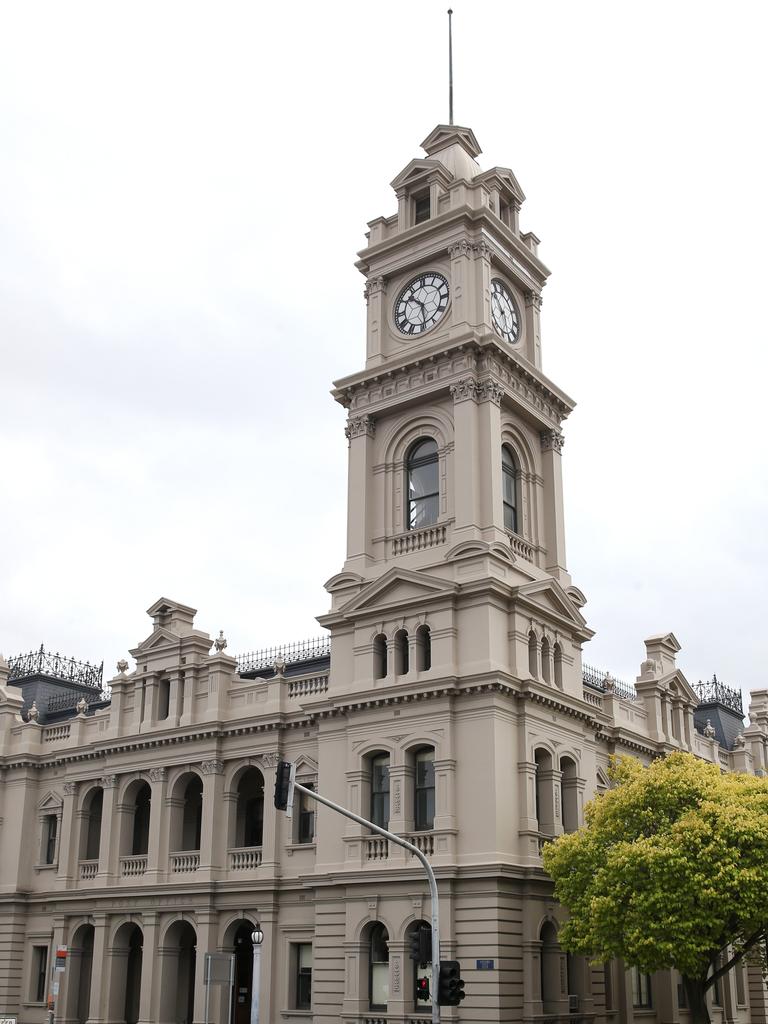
(257, 937)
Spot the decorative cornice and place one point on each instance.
(533, 299)
(358, 426)
(490, 391)
(373, 286)
(212, 767)
(551, 440)
(158, 774)
(465, 389)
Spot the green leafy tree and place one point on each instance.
(670, 871)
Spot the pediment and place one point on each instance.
(398, 586)
(306, 766)
(419, 169)
(444, 135)
(160, 638)
(506, 180)
(678, 681)
(343, 581)
(548, 596)
(666, 639)
(50, 802)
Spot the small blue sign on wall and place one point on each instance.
(484, 965)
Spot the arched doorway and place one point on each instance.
(125, 990)
(79, 967)
(243, 950)
(177, 971)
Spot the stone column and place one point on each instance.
(187, 714)
(529, 823)
(491, 500)
(68, 840)
(355, 991)
(207, 934)
(466, 466)
(151, 686)
(176, 700)
(212, 823)
(360, 432)
(270, 842)
(108, 840)
(554, 512)
(375, 296)
(150, 975)
(159, 826)
(101, 971)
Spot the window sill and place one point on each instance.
(302, 1014)
(44, 867)
(300, 846)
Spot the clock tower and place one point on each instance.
(455, 507)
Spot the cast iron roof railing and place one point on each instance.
(596, 679)
(69, 701)
(302, 650)
(714, 692)
(55, 666)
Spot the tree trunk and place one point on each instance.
(697, 1000)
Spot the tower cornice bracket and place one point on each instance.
(360, 426)
(552, 440)
(465, 390)
(374, 286)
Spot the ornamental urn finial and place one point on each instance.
(122, 666)
(33, 714)
(81, 706)
(709, 732)
(220, 642)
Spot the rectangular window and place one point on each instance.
(641, 989)
(608, 983)
(741, 993)
(682, 998)
(39, 977)
(380, 792)
(306, 832)
(50, 830)
(303, 976)
(421, 208)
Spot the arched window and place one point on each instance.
(545, 804)
(423, 484)
(163, 699)
(509, 476)
(401, 652)
(378, 973)
(558, 660)
(569, 795)
(533, 655)
(380, 657)
(141, 813)
(424, 804)
(551, 980)
(423, 649)
(91, 841)
(545, 660)
(249, 824)
(380, 790)
(192, 814)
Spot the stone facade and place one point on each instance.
(451, 699)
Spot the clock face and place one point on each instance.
(506, 319)
(421, 303)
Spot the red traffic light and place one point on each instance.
(422, 989)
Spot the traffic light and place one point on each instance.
(282, 785)
(450, 987)
(422, 989)
(420, 940)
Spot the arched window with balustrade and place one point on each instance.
(379, 789)
(90, 832)
(510, 475)
(545, 804)
(248, 824)
(424, 789)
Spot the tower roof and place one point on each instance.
(456, 148)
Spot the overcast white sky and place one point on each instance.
(183, 190)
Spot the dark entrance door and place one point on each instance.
(241, 1012)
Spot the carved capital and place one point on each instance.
(212, 767)
(373, 286)
(533, 299)
(551, 440)
(158, 774)
(108, 781)
(465, 389)
(462, 248)
(360, 425)
(490, 391)
(70, 788)
(482, 249)
(270, 759)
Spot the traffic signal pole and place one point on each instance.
(399, 841)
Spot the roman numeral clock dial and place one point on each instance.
(506, 319)
(421, 304)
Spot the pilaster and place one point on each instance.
(466, 468)
(212, 824)
(101, 972)
(375, 296)
(108, 840)
(554, 513)
(150, 975)
(360, 432)
(159, 826)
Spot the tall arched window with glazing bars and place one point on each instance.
(509, 475)
(423, 484)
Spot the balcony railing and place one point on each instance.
(55, 733)
(418, 540)
(88, 869)
(307, 687)
(55, 666)
(245, 858)
(521, 547)
(290, 654)
(424, 841)
(133, 867)
(181, 863)
(376, 848)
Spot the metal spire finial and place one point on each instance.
(450, 68)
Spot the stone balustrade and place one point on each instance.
(182, 863)
(88, 869)
(133, 867)
(246, 858)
